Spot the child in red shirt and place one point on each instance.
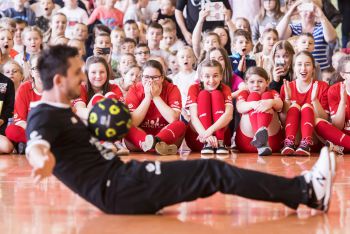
(304, 99)
(259, 128)
(211, 110)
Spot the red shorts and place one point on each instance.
(244, 146)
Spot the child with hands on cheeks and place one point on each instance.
(155, 106)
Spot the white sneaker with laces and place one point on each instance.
(148, 143)
(319, 180)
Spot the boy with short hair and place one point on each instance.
(170, 42)
(19, 11)
(107, 15)
(128, 46)
(18, 43)
(241, 61)
(74, 15)
(154, 35)
(142, 54)
(46, 8)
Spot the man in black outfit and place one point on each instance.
(59, 143)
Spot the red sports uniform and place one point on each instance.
(257, 121)
(302, 98)
(211, 106)
(329, 132)
(154, 123)
(304, 117)
(84, 94)
(25, 95)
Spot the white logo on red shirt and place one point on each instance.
(151, 123)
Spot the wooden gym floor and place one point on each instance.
(51, 208)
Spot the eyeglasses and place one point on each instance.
(147, 77)
(142, 52)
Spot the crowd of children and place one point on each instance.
(277, 83)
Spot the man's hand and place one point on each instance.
(42, 161)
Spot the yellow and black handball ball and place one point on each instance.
(109, 120)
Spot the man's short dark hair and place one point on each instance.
(54, 61)
(156, 26)
(130, 21)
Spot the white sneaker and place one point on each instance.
(148, 143)
(319, 180)
(122, 150)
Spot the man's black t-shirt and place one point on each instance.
(81, 162)
(192, 12)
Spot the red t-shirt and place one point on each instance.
(243, 95)
(154, 121)
(84, 94)
(25, 95)
(112, 18)
(334, 99)
(302, 98)
(194, 90)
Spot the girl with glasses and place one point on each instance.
(155, 106)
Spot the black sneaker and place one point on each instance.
(222, 152)
(304, 147)
(261, 138)
(319, 181)
(21, 148)
(207, 149)
(289, 147)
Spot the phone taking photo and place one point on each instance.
(280, 62)
(306, 7)
(105, 50)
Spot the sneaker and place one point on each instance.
(121, 149)
(163, 148)
(264, 151)
(207, 149)
(304, 147)
(319, 181)
(289, 147)
(222, 150)
(148, 143)
(335, 148)
(260, 138)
